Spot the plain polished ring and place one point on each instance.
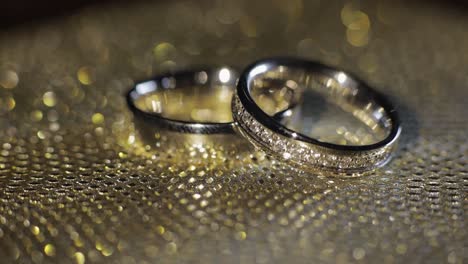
(342, 89)
(209, 82)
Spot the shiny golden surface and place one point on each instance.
(77, 186)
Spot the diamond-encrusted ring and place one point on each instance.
(267, 86)
(193, 101)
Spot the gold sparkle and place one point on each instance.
(49, 99)
(144, 200)
(35, 230)
(10, 103)
(164, 51)
(242, 235)
(357, 38)
(160, 229)
(359, 253)
(41, 134)
(49, 250)
(171, 248)
(97, 118)
(36, 115)
(79, 258)
(84, 75)
(9, 79)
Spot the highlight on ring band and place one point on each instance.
(366, 126)
(194, 101)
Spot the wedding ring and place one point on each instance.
(185, 110)
(194, 101)
(258, 98)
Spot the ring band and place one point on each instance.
(203, 84)
(345, 91)
(209, 91)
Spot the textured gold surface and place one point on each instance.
(76, 186)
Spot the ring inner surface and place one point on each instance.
(198, 97)
(332, 107)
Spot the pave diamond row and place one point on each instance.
(303, 153)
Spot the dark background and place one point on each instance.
(20, 12)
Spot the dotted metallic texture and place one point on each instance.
(78, 186)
